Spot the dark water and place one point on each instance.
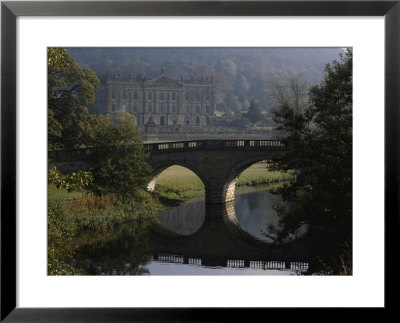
(253, 210)
(194, 240)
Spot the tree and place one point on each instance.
(260, 89)
(318, 145)
(254, 115)
(292, 91)
(227, 67)
(236, 106)
(118, 157)
(221, 82)
(246, 103)
(241, 86)
(70, 92)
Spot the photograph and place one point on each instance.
(199, 161)
(196, 160)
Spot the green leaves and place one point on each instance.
(118, 158)
(319, 142)
(70, 92)
(60, 237)
(254, 114)
(72, 181)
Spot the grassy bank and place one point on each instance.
(179, 183)
(79, 220)
(258, 175)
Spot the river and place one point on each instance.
(188, 240)
(252, 209)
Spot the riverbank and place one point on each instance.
(81, 220)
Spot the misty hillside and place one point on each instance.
(242, 74)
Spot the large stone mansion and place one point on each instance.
(160, 104)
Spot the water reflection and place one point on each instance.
(252, 210)
(221, 242)
(185, 219)
(175, 265)
(126, 253)
(194, 239)
(230, 263)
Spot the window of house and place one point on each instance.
(197, 96)
(124, 107)
(173, 108)
(113, 94)
(162, 120)
(188, 95)
(135, 95)
(188, 109)
(197, 121)
(150, 95)
(208, 109)
(198, 108)
(150, 108)
(173, 96)
(124, 94)
(114, 107)
(162, 108)
(136, 107)
(162, 96)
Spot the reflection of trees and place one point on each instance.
(126, 253)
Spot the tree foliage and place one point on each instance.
(254, 115)
(319, 149)
(290, 91)
(222, 84)
(70, 92)
(71, 181)
(118, 158)
(60, 247)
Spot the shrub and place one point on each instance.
(71, 181)
(60, 241)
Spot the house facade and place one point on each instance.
(170, 105)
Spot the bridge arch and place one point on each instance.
(224, 191)
(159, 167)
(229, 186)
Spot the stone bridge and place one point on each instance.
(218, 163)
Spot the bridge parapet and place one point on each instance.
(182, 145)
(214, 144)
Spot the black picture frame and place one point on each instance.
(10, 10)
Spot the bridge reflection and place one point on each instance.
(222, 242)
(229, 263)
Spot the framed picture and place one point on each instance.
(188, 24)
